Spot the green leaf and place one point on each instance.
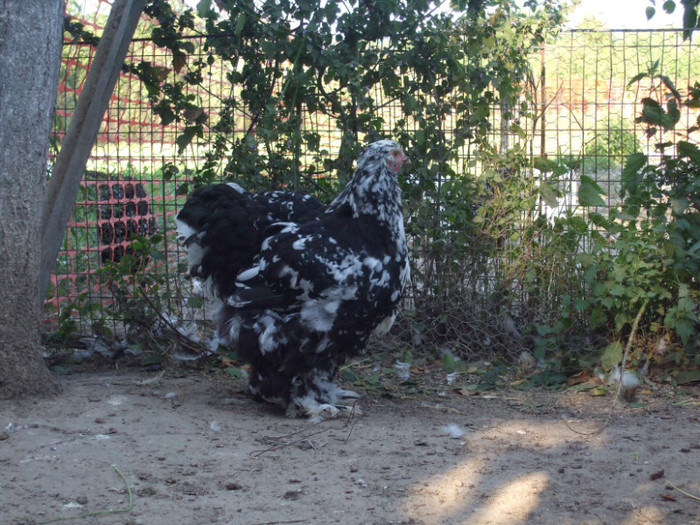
(612, 355)
(578, 224)
(635, 162)
(669, 6)
(184, 140)
(680, 205)
(449, 363)
(166, 114)
(691, 376)
(195, 302)
(269, 48)
(621, 319)
(545, 165)
(618, 290)
(652, 112)
(240, 23)
(203, 8)
(600, 220)
(549, 194)
(154, 359)
(525, 385)
(689, 19)
(410, 104)
(348, 375)
(597, 317)
(684, 329)
(686, 149)
(673, 114)
(549, 379)
(179, 61)
(233, 371)
(373, 380)
(650, 12)
(543, 330)
(670, 85)
(636, 78)
(585, 259)
(589, 192)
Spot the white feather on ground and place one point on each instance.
(452, 430)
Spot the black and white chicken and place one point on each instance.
(300, 288)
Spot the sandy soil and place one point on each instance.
(194, 450)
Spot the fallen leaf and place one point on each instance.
(464, 392)
(225, 362)
(668, 497)
(576, 379)
(585, 386)
(657, 475)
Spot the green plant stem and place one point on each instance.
(100, 512)
(628, 347)
(616, 398)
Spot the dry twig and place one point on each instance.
(671, 485)
(182, 339)
(280, 443)
(279, 522)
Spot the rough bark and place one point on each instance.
(30, 51)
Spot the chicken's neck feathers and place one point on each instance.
(373, 192)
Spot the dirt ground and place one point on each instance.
(132, 448)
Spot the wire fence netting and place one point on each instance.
(580, 86)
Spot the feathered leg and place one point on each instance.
(318, 399)
(270, 385)
(328, 392)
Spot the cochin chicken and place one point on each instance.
(299, 287)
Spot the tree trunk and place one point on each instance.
(30, 57)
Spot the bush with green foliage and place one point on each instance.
(641, 271)
(354, 64)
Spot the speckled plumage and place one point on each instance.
(317, 283)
